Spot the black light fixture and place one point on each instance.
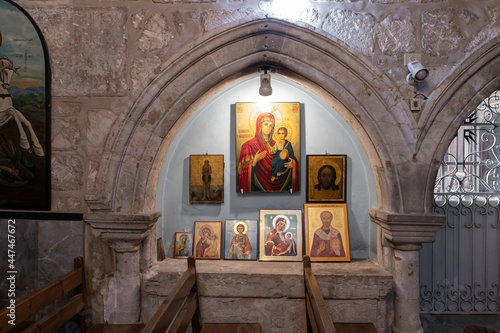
(265, 84)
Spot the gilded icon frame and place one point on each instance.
(280, 245)
(320, 172)
(210, 246)
(332, 245)
(249, 249)
(278, 169)
(206, 178)
(183, 244)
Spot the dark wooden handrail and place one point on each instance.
(176, 308)
(180, 308)
(317, 313)
(318, 318)
(58, 317)
(33, 303)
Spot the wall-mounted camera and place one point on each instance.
(417, 72)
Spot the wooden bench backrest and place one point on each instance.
(33, 303)
(180, 307)
(317, 314)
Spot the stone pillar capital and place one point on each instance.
(407, 232)
(404, 234)
(124, 232)
(124, 242)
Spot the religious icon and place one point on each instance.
(183, 244)
(327, 232)
(268, 147)
(240, 241)
(24, 112)
(207, 240)
(206, 179)
(160, 250)
(326, 178)
(280, 235)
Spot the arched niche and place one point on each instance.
(211, 130)
(128, 175)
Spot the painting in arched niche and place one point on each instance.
(24, 112)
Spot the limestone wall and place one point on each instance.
(272, 293)
(44, 251)
(106, 54)
(103, 54)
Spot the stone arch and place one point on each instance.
(460, 93)
(364, 96)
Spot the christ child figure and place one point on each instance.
(283, 152)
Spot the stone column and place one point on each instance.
(406, 289)
(124, 233)
(403, 235)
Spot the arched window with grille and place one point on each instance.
(460, 271)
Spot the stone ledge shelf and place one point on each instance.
(258, 291)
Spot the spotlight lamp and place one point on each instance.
(265, 5)
(265, 84)
(417, 72)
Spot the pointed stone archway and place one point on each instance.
(401, 154)
(462, 91)
(122, 198)
(401, 235)
(127, 176)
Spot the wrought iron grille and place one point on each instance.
(460, 271)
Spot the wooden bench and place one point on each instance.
(32, 304)
(318, 318)
(181, 307)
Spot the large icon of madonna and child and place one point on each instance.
(268, 147)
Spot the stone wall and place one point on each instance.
(113, 59)
(103, 54)
(44, 251)
(272, 293)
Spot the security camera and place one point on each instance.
(417, 72)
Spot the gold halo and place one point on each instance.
(288, 131)
(263, 108)
(286, 219)
(339, 173)
(208, 227)
(236, 229)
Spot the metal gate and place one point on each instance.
(460, 271)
